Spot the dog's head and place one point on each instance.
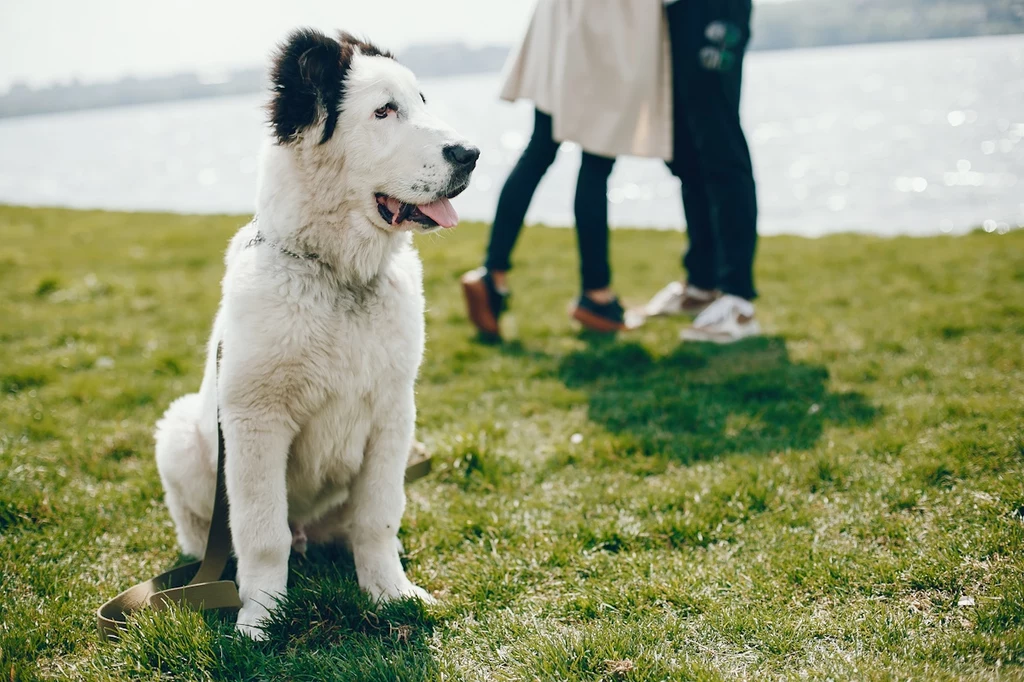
(344, 106)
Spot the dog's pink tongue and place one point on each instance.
(441, 212)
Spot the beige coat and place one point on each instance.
(601, 69)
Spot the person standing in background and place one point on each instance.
(597, 72)
(712, 161)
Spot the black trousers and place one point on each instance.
(711, 158)
(591, 206)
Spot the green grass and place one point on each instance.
(811, 504)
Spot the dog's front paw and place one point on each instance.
(381, 574)
(252, 618)
(417, 592)
(398, 588)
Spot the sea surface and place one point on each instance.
(903, 138)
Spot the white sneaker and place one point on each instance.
(728, 319)
(677, 298)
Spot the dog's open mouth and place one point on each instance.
(439, 213)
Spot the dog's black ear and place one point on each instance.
(364, 47)
(306, 77)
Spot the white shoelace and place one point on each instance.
(698, 293)
(725, 308)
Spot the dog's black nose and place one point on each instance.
(462, 155)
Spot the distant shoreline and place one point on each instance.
(429, 62)
(242, 218)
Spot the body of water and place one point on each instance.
(902, 138)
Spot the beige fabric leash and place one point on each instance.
(196, 584)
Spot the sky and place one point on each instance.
(46, 41)
(42, 41)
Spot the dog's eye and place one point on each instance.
(385, 110)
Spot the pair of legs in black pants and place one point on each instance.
(710, 155)
(591, 206)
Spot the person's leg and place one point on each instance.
(709, 38)
(486, 288)
(701, 258)
(518, 192)
(597, 309)
(592, 222)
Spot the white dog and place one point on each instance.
(320, 326)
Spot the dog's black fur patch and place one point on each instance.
(308, 74)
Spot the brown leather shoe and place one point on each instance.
(484, 303)
(600, 317)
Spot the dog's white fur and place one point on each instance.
(319, 359)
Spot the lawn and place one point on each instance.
(836, 500)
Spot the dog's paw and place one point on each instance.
(400, 588)
(418, 592)
(253, 632)
(251, 621)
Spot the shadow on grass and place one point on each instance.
(326, 628)
(702, 401)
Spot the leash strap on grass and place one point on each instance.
(198, 584)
